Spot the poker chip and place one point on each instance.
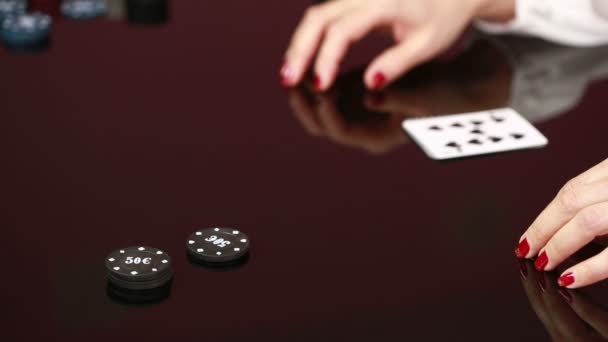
(83, 9)
(10, 8)
(147, 12)
(217, 246)
(26, 29)
(139, 268)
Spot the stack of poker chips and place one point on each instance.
(20, 30)
(139, 274)
(27, 27)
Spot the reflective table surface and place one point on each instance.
(126, 133)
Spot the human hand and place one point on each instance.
(575, 217)
(421, 29)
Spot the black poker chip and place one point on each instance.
(218, 246)
(148, 12)
(139, 268)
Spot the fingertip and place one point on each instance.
(522, 250)
(378, 80)
(316, 82)
(566, 280)
(541, 261)
(287, 74)
(375, 78)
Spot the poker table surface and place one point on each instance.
(124, 135)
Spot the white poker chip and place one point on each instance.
(83, 9)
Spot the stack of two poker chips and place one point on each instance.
(139, 274)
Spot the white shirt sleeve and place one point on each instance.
(572, 22)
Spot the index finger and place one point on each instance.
(307, 37)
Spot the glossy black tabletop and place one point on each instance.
(126, 134)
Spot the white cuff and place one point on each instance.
(572, 22)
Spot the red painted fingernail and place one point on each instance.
(286, 75)
(567, 296)
(566, 279)
(316, 81)
(523, 270)
(378, 81)
(522, 250)
(542, 261)
(541, 282)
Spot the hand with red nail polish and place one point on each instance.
(566, 314)
(576, 217)
(421, 29)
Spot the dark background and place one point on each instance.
(125, 135)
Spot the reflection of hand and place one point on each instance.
(443, 96)
(577, 215)
(421, 29)
(478, 79)
(567, 315)
(320, 116)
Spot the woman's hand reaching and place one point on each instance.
(421, 29)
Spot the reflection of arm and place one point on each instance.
(573, 22)
(550, 79)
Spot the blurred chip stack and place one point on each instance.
(148, 12)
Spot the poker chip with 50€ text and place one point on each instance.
(139, 268)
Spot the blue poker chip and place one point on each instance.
(84, 9)
(26, 29)
(9, 8)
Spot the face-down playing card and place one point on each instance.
(472, 134)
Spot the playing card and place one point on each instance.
(472, 134)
